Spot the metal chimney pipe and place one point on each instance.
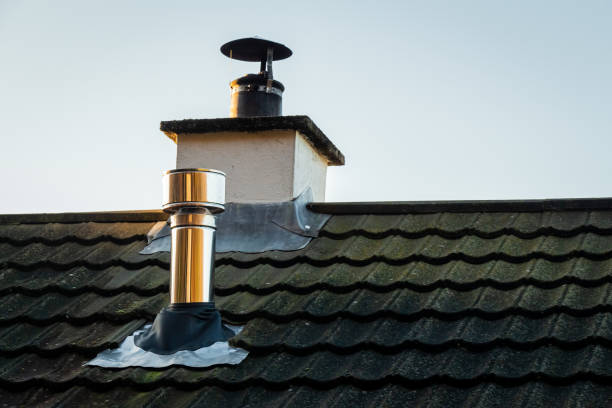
(256, 94)
(192, 196)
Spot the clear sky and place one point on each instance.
(428, 100)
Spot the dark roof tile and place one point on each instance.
(326, 369)
(582, 394)
(147, 280)
(62, 337)
(387, 335)
(433, 249)
(477, 309)
(323, 305)
(84, 233)
(88, 307)
(481, 224)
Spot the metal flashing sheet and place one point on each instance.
(130, 355)
(254, 228)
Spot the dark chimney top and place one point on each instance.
(256, 94)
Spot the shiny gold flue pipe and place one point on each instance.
(193, 260)
(191, 196)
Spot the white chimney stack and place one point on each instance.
(266, 159)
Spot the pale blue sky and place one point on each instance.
(428, 100)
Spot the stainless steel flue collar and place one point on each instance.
(204, 188)
(192, 196)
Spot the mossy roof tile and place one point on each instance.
(400, 304)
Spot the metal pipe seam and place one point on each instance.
(192, 196)
(256, 88)
(195, 219)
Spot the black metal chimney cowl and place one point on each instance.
(256, 94)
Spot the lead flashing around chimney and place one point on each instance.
(311, 133)
(255, 228)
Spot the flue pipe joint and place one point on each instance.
(203, 188)
(192, 196)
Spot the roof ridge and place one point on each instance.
(78, 217)
(365, 207)
(423, 207)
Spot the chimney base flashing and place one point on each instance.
(184, 326)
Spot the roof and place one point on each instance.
(301, 123)
(391, 306)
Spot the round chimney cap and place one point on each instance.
(254, 49)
